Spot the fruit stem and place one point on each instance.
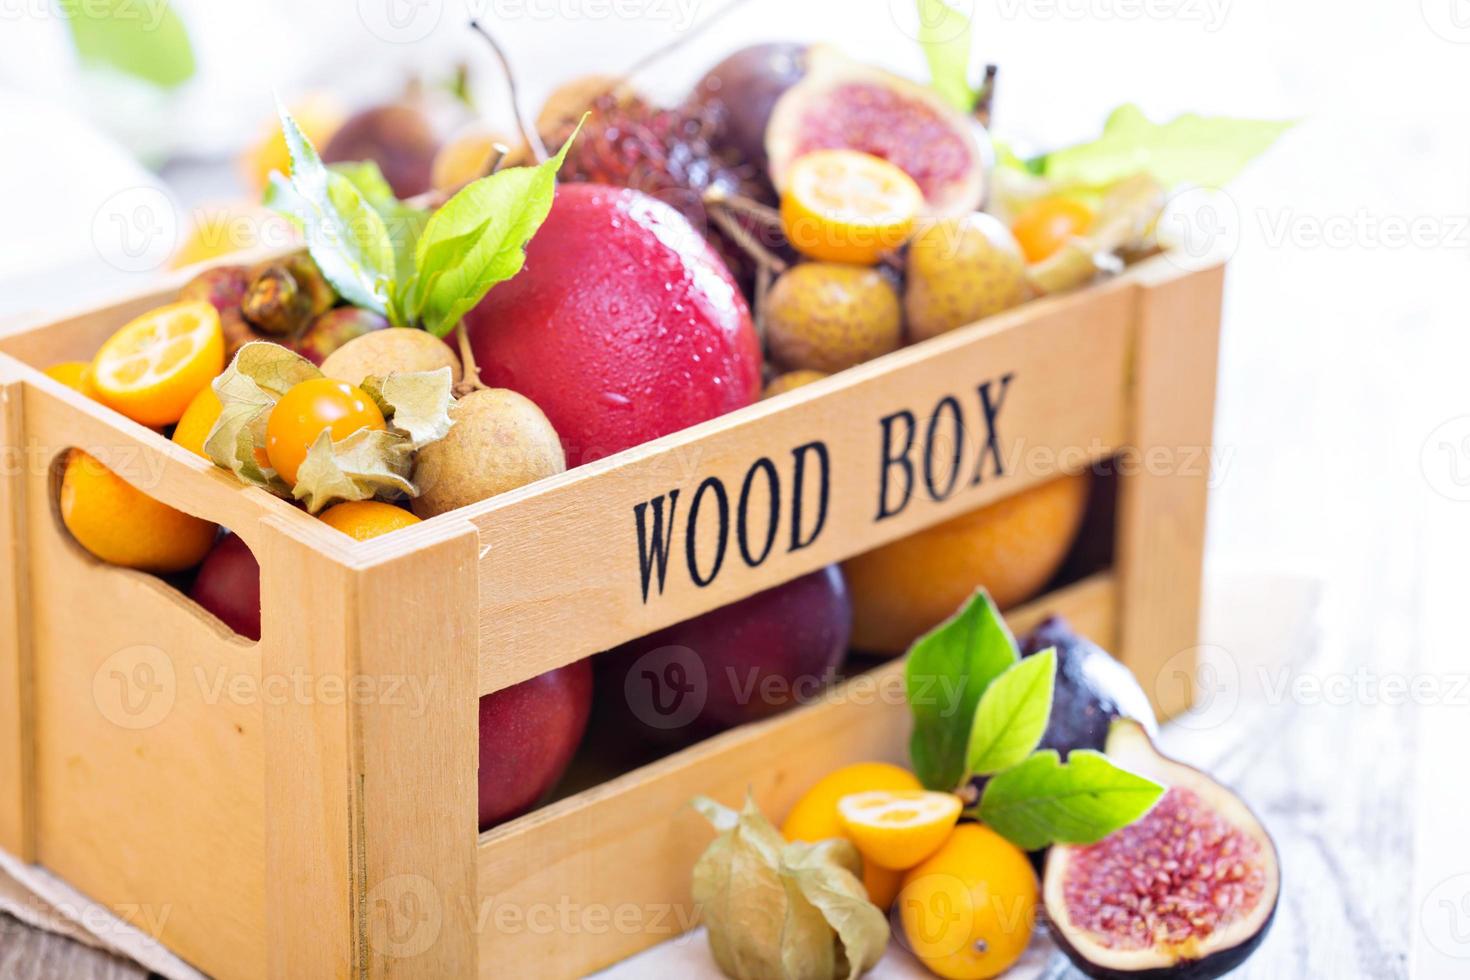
(985, 97)
(471, 380)
(528, 133)
(723, 209)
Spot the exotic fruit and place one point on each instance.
(1092, 689)
(623, 326)
(841, 104)
(1207, 898)
(665, 153)
(743, 89)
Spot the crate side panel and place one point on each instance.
(608, 870)
(17, 781)
(871, 455)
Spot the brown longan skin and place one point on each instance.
(384, 352)
(825, 316)
(959, 271)
(500, 441)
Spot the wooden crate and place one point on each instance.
(306, 805)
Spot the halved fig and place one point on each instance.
(842, 104)
(1185, 893)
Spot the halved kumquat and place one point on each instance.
(154, 366)
(898, 828)
(846, 206)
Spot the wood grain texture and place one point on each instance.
(148, 765)
(311, 858)
(1165, 478)
(596, 877)
(416, 750)
(17, 722)
(562, 562)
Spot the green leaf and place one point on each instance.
(145, 40)
(948, 670)
(944, 34)
(344, 233)
(478, 238)
(415, 403)
(1013, 714)
(404, 222)
(1206, 151)
(1043, 801)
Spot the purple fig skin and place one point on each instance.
(228, 585)
(1092, 689)
(739, 663)
(401, 138)
(744, 88)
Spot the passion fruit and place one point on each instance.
(742, 91)
(1209, 894)
(841, 104)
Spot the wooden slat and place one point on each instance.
(1164, 487)
(609, 869)
(416, 744)
(563, 567)
(17, 724)
(148, 762)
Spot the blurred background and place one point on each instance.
(1341, 497)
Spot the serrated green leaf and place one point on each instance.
(404, 222)
(948, 670)
(345, 235)
(366, 464)
(478, 238)
(1012, 715)
(248, 388)
(1205, 151)
(1043, 801)
(945, 35)
(415, 403)
(145, 40)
